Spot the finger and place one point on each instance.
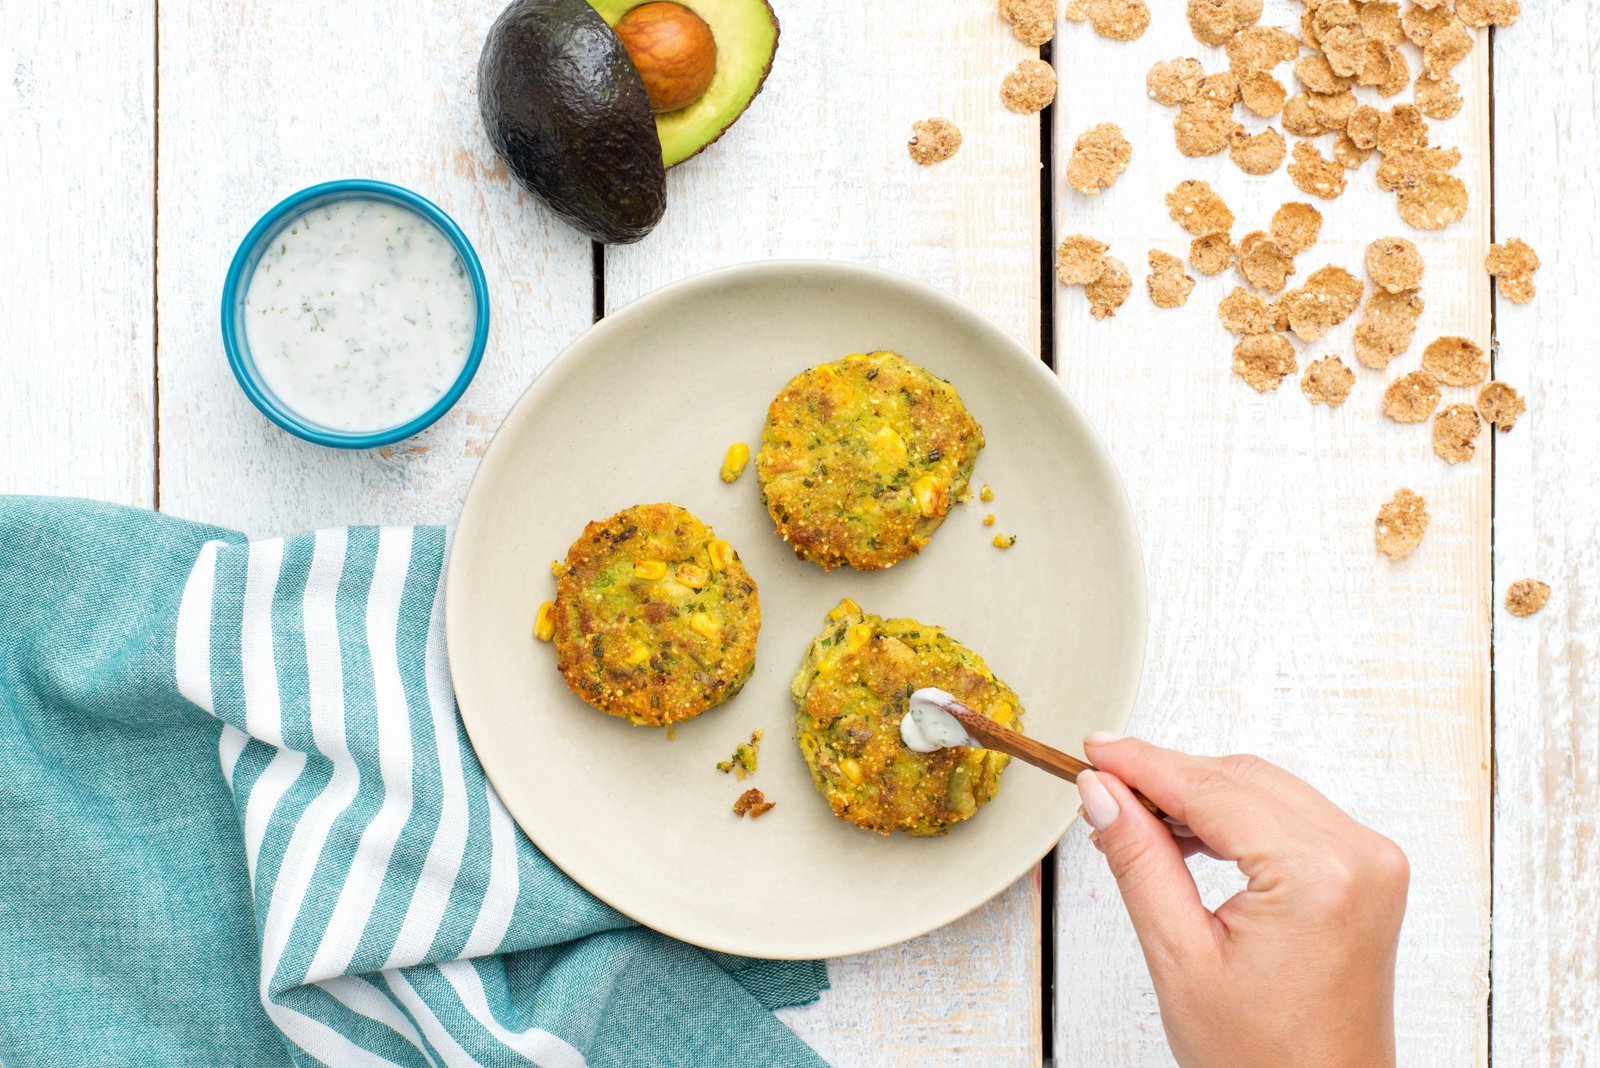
(1157, 889)
(1224, 801)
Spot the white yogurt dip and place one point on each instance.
(928, 727)
(360, 315)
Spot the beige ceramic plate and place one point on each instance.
(641, 408)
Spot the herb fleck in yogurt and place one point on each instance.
(360, 315)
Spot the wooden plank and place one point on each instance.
(258, 101)
(77, 381)
(1275, 626)
(1546, 976)
(818, 168)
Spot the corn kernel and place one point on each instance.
(638, 655)
(890, 445)
(986, 494)
(693, 575)
(705, 626)
(933, 496)
(1004, 541)
(857, 636)
(733, 463)
(1003, 714)
(988, 520)
(827, 668)
(544, 622)
(720, 553)
(851, 769)
(650, 569)
(846, 607)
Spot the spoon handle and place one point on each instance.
(990, 735)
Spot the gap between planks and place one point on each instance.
(1047, 352)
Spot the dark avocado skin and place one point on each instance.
(566, 111)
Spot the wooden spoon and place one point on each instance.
(990, 735)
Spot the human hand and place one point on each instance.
(1296, 969)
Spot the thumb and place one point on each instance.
(1157, 889)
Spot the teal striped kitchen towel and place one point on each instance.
(240, 823)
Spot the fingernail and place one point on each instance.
(1099, 807)
(1101, 738)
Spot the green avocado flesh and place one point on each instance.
(565, 109)
(746, 32)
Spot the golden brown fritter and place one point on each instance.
(850, 694)
(862, 458)
(655, 617)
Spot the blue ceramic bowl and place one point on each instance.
(260, 238)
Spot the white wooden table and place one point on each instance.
(137, 144)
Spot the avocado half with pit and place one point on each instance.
(589, 101)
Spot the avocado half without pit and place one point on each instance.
(588, 102)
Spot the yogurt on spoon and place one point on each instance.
(927, 727)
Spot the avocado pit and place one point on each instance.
(673, 50)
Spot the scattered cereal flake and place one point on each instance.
(1262, 93)
(1260, 153)
(1080, 259)
(1401, 524)
(1203, 127)
(753, 803)
(1098, 156)
(1380, 20)
(1411, 398)
(1174, 81)
(1120, 20)
(1346, 50)
(1032, 21)
(1481, 13)
(1333, 110)
(1299, 119)
(1260, 48)
(1169, 287)
(1386, 327)
(1347, 153)
(1265, 266)
(1311, 172)
(1211, 253)
(1221, 88)
(1500, 405)
(1395, 264)
(933, 140)
(1434, 202)
(1029, 88)
(1363, 126)
(1107, 292)
(1374, 62)
(1196, 207)
(1421, 20)
(1439, 98)
(1076, 11)
(1328, 381)
(1263, 360)
(1447, 47)
(1317, 76)
(1513, 263)
(1244, 313)
(1401, 129)
(1399, 74)
(1214, 21)
(1327, 299)
(1295, 226)
(1526, 596)
(1401, 171)
(1456, 361)
(1454, 431)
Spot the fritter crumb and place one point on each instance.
(753, 803)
